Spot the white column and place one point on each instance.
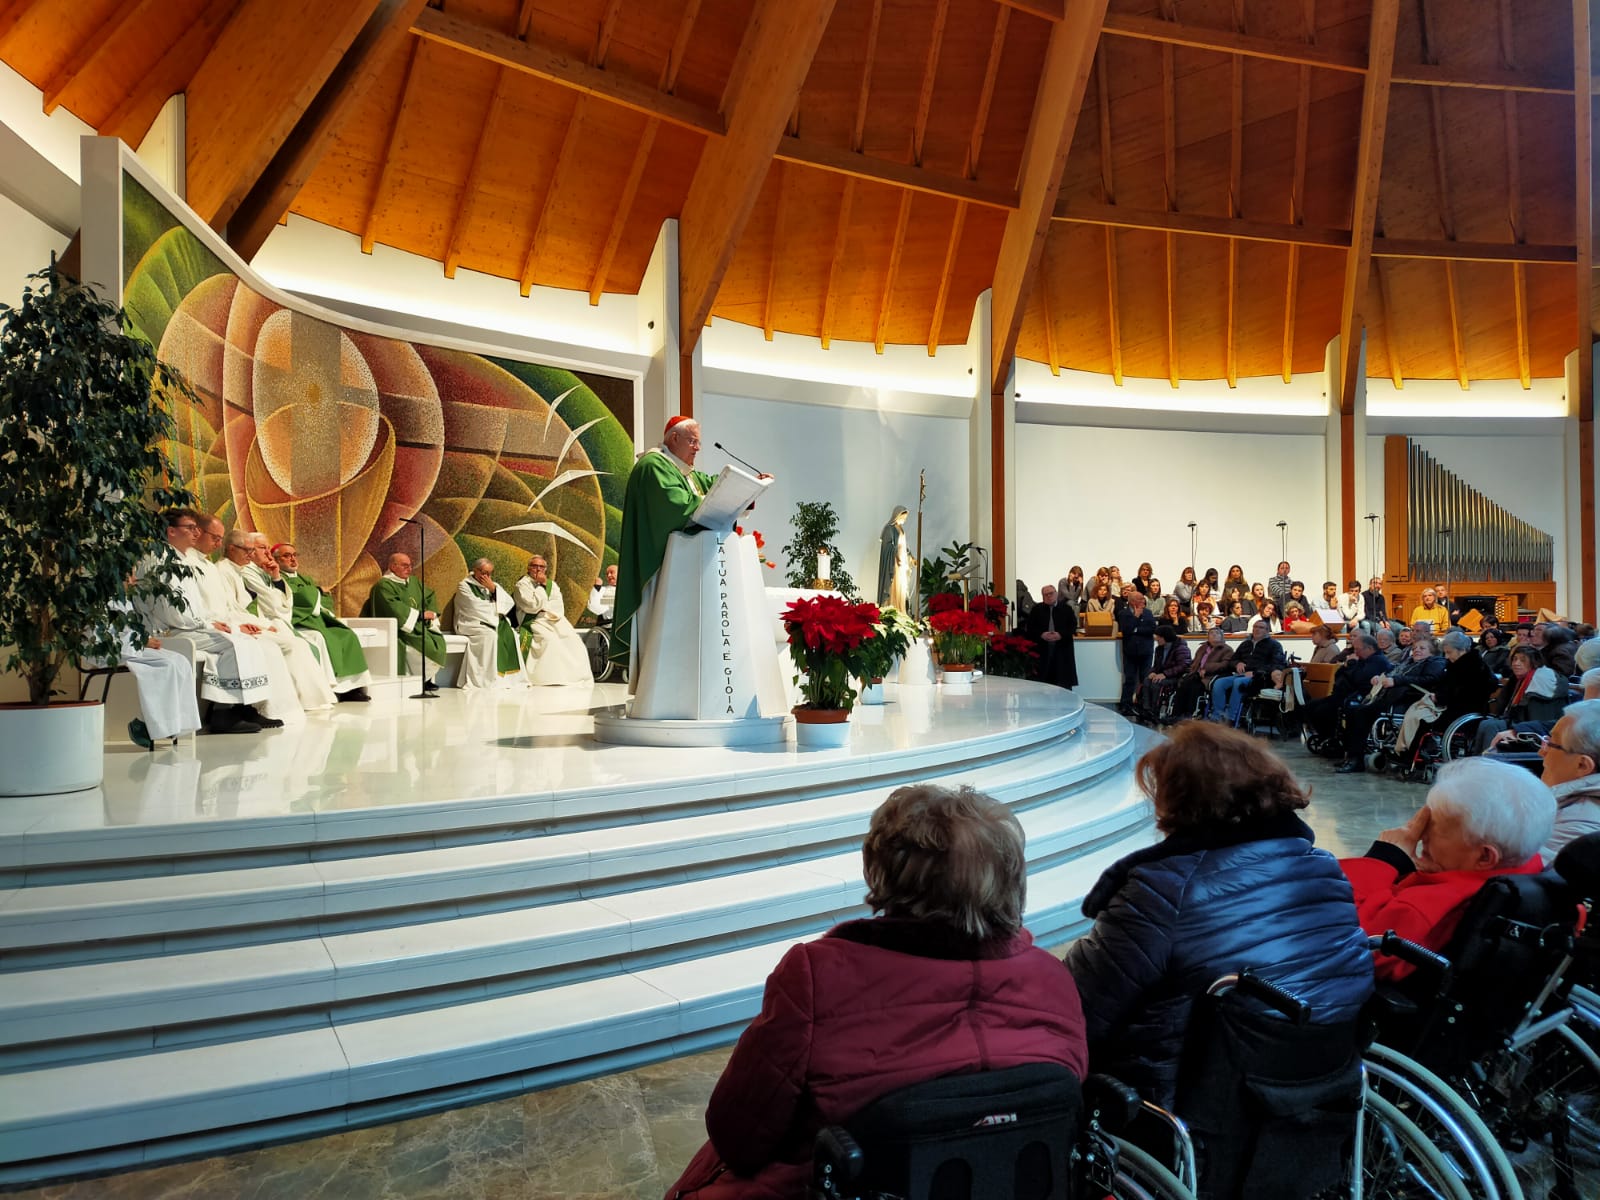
(981, 494)
(164, 149)
(1569, 594)
(1333, 476)
(658, 337)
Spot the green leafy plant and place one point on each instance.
(84, 409)
(942, 570)
(816, 526)
(896, 631)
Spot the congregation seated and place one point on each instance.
(1395, 689)
(1206, 664)
(1236, 621)
(1571, 755)
(1250, 671)
(1167, 667)
(1203, 619)
(1493, 650)
(1532, 695)
(1100, 599)
(1431, 613)
(1323, 718)
(1237, 882)
(603, 597)
(944, 979)
(1296, 618)
(1481, 819)
(1463, 687)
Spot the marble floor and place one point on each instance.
(625, 1135)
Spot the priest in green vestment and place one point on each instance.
(415, 612)
(663, 492)
(313, 609)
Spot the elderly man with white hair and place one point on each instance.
(493, 658)
(1571, 754)
(554, 652)
(1481, 819)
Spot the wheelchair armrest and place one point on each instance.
(836, 1162)
(1111, 1104)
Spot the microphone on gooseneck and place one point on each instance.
(735, 457)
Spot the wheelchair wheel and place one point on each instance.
(1377, 760)
(1141, 1177)
(598, 643)
(1446, 1120)
(1557, 1098)
(1398, 1161)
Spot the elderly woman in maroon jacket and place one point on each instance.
(944, 981)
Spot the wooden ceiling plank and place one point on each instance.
(840, 238)
(265, 72)
(1386, 317)
(524, 18)
(469, 190)
(11, 14)
(1236, 139)
(930, 73)
(901, 222)
(782, 206)
(538, 243)
(680, 45)
(1524, 252)
(380, 194)
(1493, 79)
(1172, 308)
(602, 37)
(839, 159)
(1519, 294)
(88, 53)
(386, 33)
(619, 223)
(779, 44)
(1441, 166)
(1364, 209)
(1169, 130)
(1201, 224)
(1232, 364)
(1050, 10)
(1290, 296)
(135, 112)
(1154, 29)
(1457, 354)
(1068, 56)
(1103, 97)
(1113, 319)
(858, 131)
(991, 76)
(936, 325)
(557, 67)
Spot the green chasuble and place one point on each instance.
(407, 601)
(659, 501)
(507, 661)
(313, 609)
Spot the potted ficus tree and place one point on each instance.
(81, 436)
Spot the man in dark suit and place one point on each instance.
(1351, 684)
(1138, 629)
(1374, 608)
(1051, 623)
(1253, 664)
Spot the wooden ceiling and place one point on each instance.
(1225, 174)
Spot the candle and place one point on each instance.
(824, 565)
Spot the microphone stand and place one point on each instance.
(422, 586)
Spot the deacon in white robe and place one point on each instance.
(283, 701)
(554, 652)
(312, 683)
(493, 657)
(236, 674)
(164, 681)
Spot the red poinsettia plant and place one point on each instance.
(826, 636)
(1012, 655)
(959, 636)
(941, 602)
(761, 546)
(990, 608)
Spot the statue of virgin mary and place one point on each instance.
(894, 564)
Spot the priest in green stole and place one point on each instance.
(493, 658)
(664, 490)
(415, 612)
(313, 609)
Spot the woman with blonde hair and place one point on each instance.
(942, 979)
(1237, 882)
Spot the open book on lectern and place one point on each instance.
(733, 492)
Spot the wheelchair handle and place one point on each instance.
(836, 1162)
(1280, 999)
(1395, 946)
(1113, 1103)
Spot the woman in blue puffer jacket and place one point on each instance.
(1236, 883)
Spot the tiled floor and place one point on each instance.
(624, 1135)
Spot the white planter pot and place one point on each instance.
(58, 748)
(956, 682)
(872, 693)
(916, 668)
(833, 736)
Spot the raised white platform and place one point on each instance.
(408, 905)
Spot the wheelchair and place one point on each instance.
(1029, 1132)
(597, 641)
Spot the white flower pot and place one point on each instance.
(820, 735)
(57, 748)
(916, 668)
(871, 693)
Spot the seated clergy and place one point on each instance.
(414, 610)
(165, 683)
(603, 596)
(551, 646)
(493, 657)
(239, 680)
(313, 610)
(1481, 819)
(313, 682)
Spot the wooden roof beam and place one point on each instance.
(1169, 179)
(779, 44)
(1386, 317)
(88, 53)
(1519, 301)
(556, 67)
(137, 111)
(1050, 10)
(262, 76)
(991, 76)
(777, 237)
(1113, 323)
(1048, 312)
(930, 72)
(1058, 99)
(602, 39)
(385, 34)
(936, 325)
(858, 131)
(1291, 291)
(11, 14)
(1364, 208)
(841, 237)
(380, 193)
(901, 222)
(538, 242)
(619, 223)
(1457, 352)
(469, 190)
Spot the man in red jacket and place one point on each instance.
(1481, 819)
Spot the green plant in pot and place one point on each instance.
(84, 413)
(895, 633)
(816, 527)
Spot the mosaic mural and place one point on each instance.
(353, 446)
